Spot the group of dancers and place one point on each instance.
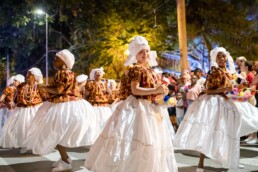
(135, 135)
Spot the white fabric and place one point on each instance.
(180, 111)
(17, 126)
(230, 60)
(137, 44)
(157, 71)
(136, 138)
(20, 78)
(81, 78)
(68, 124)
(67, 57)
(93, 71)
(111, 84)
(37, 74)
(10, 81)
(249, 118)
(211, 126)
(102, 114)
(214, 64)
(4, 115)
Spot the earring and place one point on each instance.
(64, 66)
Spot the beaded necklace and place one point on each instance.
(30, 93)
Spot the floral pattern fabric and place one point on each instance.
(98, 92)
(9, 92)
(146, 77)
(65, 79)
(218, 79)
(28, 95)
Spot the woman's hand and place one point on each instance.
(229, 89)
(162, 89)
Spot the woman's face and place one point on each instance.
(243, 68)
(16, 83)
(143, 56)
(58, 63)
(98, 75)
(221, 60)
(30, 78)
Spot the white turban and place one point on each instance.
(157, 71)
(20, 78)
(37, 74)
(241, 58)
(93, 71)
(230, 60)
(67, 57)
(81, 78)
(137, 44)
(214, 64)
(10, 81)
(111, 81)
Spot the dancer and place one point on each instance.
(214, 128)
(98, 93)
(65, 119)
(7, 99)
(81, 81)
(136, 137)
(28, 100)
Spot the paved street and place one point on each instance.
(12, 161)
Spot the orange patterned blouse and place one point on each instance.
(65, 79)
(125, 86)
(218, 79)
(146, 77)
(98, 93)
(9, 92)
(28, 95)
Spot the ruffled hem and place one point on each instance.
(136, 138)
(70, 124)
(17, 126)
(211, 126)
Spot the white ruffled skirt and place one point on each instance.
(211, 126)
(135, 139)
(4, 115)
(17, 126)
(102, 114)
(249, 118)
(68, 124)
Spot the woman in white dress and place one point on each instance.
(213, 123)
(136, 137)
(7, 99)
(28, 99)
(65, 119)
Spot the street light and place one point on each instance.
(41, 12)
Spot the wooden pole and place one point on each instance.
(181, 20)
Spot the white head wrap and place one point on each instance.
(37, 74)
(241, 58)
(67, 57)
(92, 73)
(81, 78)
(214, 64)
(157, 71)
(10, 81)
(230, 60)
(20, 78)
(110, 81)
(137, 44)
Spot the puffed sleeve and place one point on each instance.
(63, 79)
(134, 73)
(89, 86)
